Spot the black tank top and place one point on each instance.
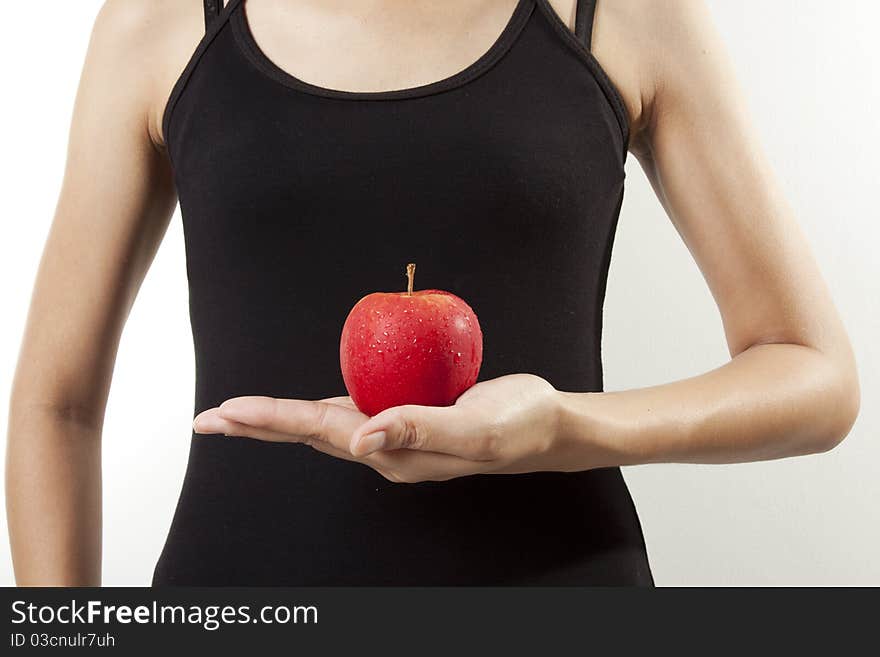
(504, 183)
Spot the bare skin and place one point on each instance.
(790, 387)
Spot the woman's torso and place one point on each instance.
(503, 182)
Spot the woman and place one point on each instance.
(317, 147)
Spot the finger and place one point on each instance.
(442, 429)
(210, 422)
(341, 401)
(317, 420)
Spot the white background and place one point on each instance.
(812, 73)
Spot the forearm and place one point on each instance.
(770, 401)
(53, 497)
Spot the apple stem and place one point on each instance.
(410, 275)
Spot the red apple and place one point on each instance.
(409, 347)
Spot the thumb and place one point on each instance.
(427, 428)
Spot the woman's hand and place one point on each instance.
(506, 425)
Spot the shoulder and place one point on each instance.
(136, 25)
(668, 36)
(149, 42)
(649, 47)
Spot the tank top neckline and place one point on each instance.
(232, 15)
(255, 54)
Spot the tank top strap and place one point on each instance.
(212, 11)
(583, 21)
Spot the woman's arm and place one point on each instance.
(116, 199)
(791, 386)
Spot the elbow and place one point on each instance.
(28, 407)
(844, 401)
